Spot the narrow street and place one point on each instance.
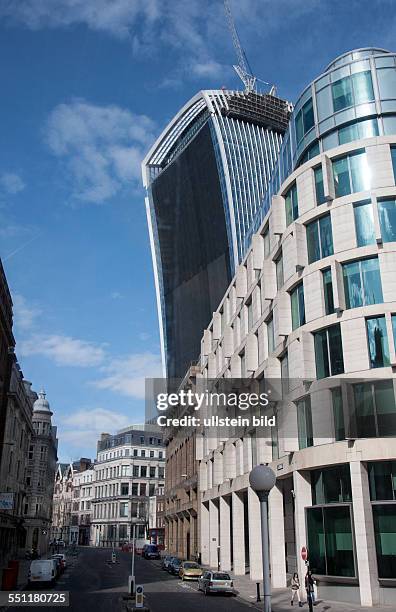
(94, 583)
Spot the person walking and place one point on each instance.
(295, 589)
(310, 588)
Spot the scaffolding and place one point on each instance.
(263, 109)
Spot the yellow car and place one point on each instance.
(190, 570)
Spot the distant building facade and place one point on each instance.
(83, 494)
(129, 470)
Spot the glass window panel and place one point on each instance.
(364, 410)
(270, 335)
(266, 243)
(348, 133)
(368, 128)
(362, 283)
(297, 306)
(326, 236)
(380, 480)
(319, 187)
(387, 217)
(321, 354)
(299, 126)
(377, 342)
(339, 541)
(342, 94)
(394, 328)
(335, 349)
(385, 407)
(294, 309)
(393, 156)
(384, 516)
(371, 278)
(341, 177)
(362, 87)
(279, 272)
(387, 83)
(284, 363)
(308, 116)
(328, 291)
(338, 414)
(364, 223)
(316, 541)
(324, 103)
(360, 172)
(313, 242)
(304, 423)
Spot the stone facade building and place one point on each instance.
(42, 457)
(313, 305)
(83, 494)
(129, 469)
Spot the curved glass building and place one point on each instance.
(313, 303)
(206, 177)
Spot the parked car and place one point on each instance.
(62, 559)
(150, 551)
(59, 568)
(43, 570)
(189, 570)
(166, 561)
(174, 566)
(216, 582)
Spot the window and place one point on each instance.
(242, 357)
(350, 90)
(304, 120)
(143, 471)
(143, 453)
(135, 489)
(161, 472)
(124, 470)
(393, 156)
(331, 485)
(291, 203)
(297, 306)
(382, 479)
(338, 414)
(160, 455)
(362, 283)
(351, 174)
(124, 509)
(328, 352)
(377, 338)
(270, 335)
(319, 186)
(135, 452)
(328, 291)
(124, 488)
(330, 541)
(284, 363)
(319, 238)
(143, 488)
(279, 271)
(364, 223)
(152, 472)
(151, 454)
(357, 130)
(375, 410)
(304, 422)
(387, 218)
(384, 516)
(151, 490)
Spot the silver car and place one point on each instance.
(216, 582)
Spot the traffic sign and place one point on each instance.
(304, 553)
(139, 596)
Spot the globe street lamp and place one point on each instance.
(262, 479)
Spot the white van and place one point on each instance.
(42, 570)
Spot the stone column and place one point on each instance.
(364, 535)
(302, 498)
(277, 538)
(238, 535)
(213, 532)
(255, 553)
(225, 534)
(204, 528)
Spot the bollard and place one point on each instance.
(258, 591)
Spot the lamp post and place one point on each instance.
(262, 479)
(135, 520)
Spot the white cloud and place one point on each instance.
(63, 350)
(11, 183)
(25, 314)
(81, 428)
(127, 375)
(102, 145)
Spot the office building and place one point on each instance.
(313, 304)
(206, 177)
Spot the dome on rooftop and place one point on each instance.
(41, 404)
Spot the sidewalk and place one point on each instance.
(247, 591)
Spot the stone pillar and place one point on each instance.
(204, 528)
(364, 535)
(302, 499)
(238, 535)
(255, 553)
(213, 532)
(277, 538)
(225, 534)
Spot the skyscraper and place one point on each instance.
(206, 176)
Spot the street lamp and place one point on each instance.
(135, 520)
(262, 479)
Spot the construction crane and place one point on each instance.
(243, 68)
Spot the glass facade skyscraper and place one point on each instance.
(206, 177)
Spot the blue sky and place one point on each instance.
(86, 87)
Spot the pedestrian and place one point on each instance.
(310, 588)
(295, 589)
